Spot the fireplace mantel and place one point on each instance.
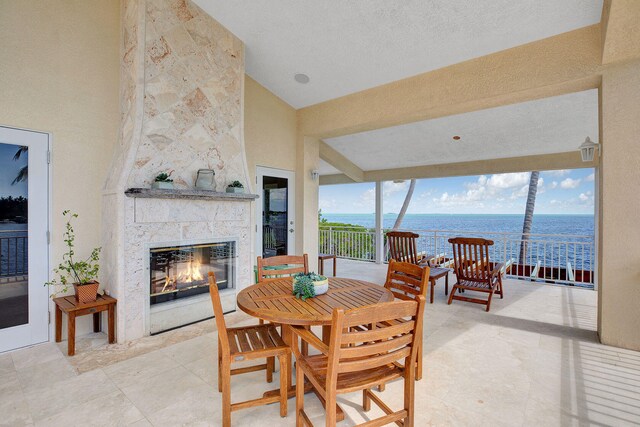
(152, 193)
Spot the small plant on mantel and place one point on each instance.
(235, 187)
(81, 274)
(163, 181)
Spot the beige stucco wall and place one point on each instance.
(619, 292)
(269, 130)
(59, 73)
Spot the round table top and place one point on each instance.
(273, 300)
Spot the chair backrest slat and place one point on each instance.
(471, 258)
(402, 246)
(294, 265)
(406, 279)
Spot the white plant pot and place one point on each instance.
(162, 185)
(321, 286)
(236, 190)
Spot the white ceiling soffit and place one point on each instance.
(348, 46)
(551, 125)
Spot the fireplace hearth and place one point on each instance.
(181, 271)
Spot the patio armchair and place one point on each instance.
(362, 359)
(474, 271)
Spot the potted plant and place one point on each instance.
(81, 274)
(235, 187)
(308, 285)
(163, 181)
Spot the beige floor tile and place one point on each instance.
(34, 355)
(63, 395)
(135, 370)
(45, 374)
(113, 409)
(153, 394)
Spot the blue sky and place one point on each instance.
(559, 192)
(9, 170)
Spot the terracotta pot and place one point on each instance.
(86, 293)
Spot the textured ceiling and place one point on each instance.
(349, 46)
(551, 125)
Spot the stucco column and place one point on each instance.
(379, 224)
(308, 159)
(619, 234)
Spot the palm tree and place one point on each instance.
(405, 205)
(528, 215)
(23, 173)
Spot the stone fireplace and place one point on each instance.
(182, 77)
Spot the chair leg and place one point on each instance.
(260, 321)
(489, 300)
(409, 390)
(299, 396)
(226, 393)
(501, 288)
(366, 400)
(453, 292)
(284, 386)
(271, 365)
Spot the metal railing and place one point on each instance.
(554, 258)
(13, 253)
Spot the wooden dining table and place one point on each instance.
(273, 300)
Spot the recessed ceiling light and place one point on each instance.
(301, 78)
(456, 138)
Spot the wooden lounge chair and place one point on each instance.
(360, 360)
(402, 247)
(473, 270)
(247, 343)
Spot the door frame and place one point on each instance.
(262, 171)
(46, 336)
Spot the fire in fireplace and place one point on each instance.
(182, 271)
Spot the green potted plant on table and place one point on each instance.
(162, 181)
(308, 285)
(235, 187)
(81, 274)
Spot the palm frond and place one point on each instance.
(23, 175)
(23, 149)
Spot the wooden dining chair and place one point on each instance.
(402, 247)
(247, 343)
(287, 265)
(360, 360)
(408, 281)
(474, 271)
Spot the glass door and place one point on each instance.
(24, 183)
(276, 217)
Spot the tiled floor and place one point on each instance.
(533, 360)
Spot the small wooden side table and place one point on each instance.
(434, 274)
(73, 309)
(321, 258)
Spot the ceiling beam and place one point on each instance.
(568, 160)
(340, 162)
(620, 30)
(558, 65)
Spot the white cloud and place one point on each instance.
(569, 183)
(589, 177)
(487, 190)
(558, 173)
(389, 188)
(327, 205)
(554, 184)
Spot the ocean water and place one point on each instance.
(582, 225)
